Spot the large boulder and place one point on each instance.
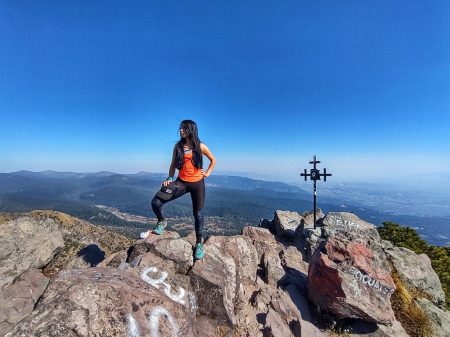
(27, 243)
(149, 244)
(177, 250)
(286, 313)
(263, 240)
(348, 224)
(273, 270)
(275, 325)
(296, 269)
(350, 276)
(310, 240)
(163, 274)
(18, 299)
(228, 265)
(305, 317)
(114, 260)
(105, 302)
(308, 218)
(439, 319)
(244, 255)
(286, 223)
(213, 281)
(416, 272)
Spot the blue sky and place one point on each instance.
(103, 85)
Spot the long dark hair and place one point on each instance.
(191, 131)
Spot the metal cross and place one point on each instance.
(315, 175)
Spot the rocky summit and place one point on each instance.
(61, 276)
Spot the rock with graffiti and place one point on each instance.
(348, 224)
(255, 284)
(105, 302)
(349, 273)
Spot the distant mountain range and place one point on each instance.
(237, 200)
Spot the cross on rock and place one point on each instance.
(315, 175)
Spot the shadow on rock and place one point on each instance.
(92, 255)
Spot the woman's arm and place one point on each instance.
(171, 168)
(211, 157)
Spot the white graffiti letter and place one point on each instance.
(366, 279)
(152, 281)
(154, 321)
(133, 329)
(155, 283)
(192, 302)
(356, 290)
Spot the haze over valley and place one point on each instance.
(122, 201)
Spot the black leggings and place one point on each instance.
(197, 191)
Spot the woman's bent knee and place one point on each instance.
(156, 202)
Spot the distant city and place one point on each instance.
(232, 201)
(386, 198)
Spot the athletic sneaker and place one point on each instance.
(144, 235)
(159, 229)
(199, 253)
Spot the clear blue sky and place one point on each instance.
(102, 85)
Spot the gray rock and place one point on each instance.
(416, 273)
(307, 327)
(144, 246)
(178, 250)
(245, 256)
(349, 224)
(229, 264)
(312, 239)
(205, 327)
(114, 260)
(311, 232)
(365, 329)
(273, 271)
(291, 309)
(213, 281)
(286, 223)
(123, 266)
(395, 329)
(296, 270)
(308, 218)
(276, 326)
(191, 238)
(26, 243)
(282, 304)
(257, 233)
(261, 300)
(18, 299)
(439, 318)
(163, 274)
(153, 260)
(263, 241)
(387, 244)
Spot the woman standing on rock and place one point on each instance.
(188, 159)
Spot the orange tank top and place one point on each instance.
(189, 172)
